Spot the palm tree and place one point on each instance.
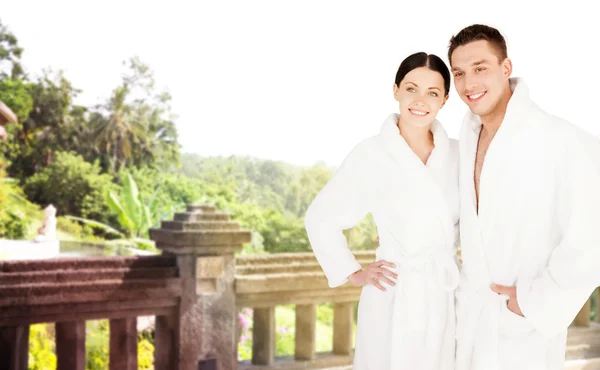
(120, 132)
(136, 126)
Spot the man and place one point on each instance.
(530, 215)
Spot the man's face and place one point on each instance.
(479, 77)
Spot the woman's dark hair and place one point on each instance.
(422, 59)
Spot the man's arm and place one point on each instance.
(552, 300)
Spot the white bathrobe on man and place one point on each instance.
(416, 209)
(538, 228)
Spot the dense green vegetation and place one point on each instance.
(119, 165)
(114, 170)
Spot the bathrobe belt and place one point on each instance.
(442, 264)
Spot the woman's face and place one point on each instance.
(421, 96)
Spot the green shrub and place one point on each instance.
(325, 314)
(74, 186)
(145, 354)
(70, 227)
(41, 348)
(96, 345)
(13, 225)
(285, 334)
(17, 214)
(72, 230)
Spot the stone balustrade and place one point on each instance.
(266, 281)
(194, 289)
(67, 292)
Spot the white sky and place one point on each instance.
(301, 81)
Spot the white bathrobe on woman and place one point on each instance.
(416, 210)
(538, 228)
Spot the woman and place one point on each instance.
(407, 178)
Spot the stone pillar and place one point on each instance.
(306, 327)
(123, 344)
(204, 242)
(263, 336)
(70, 345)
(14, 347)
(165, 346)
(343, 322)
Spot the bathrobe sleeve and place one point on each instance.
(340, 205)
(551, 301)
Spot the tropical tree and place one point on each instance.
(135, 127)
(10, 54)
(117, 132)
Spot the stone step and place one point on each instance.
(587, 364)
(582, 351)
(590, 340)
(194, 216)
(581, 335)
(200, 225)
(322, 361)
(204, 208)
(583, 342)
(217, 239)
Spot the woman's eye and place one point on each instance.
(410, 89)
(434, 94)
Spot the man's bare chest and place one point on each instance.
(485, 139)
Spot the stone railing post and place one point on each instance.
(70, 345)
(263, 336)
(306, 330)
(343, 325)
(14, 347)
(204, 242)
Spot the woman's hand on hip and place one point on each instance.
(374, 274)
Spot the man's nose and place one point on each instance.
(470, 83)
